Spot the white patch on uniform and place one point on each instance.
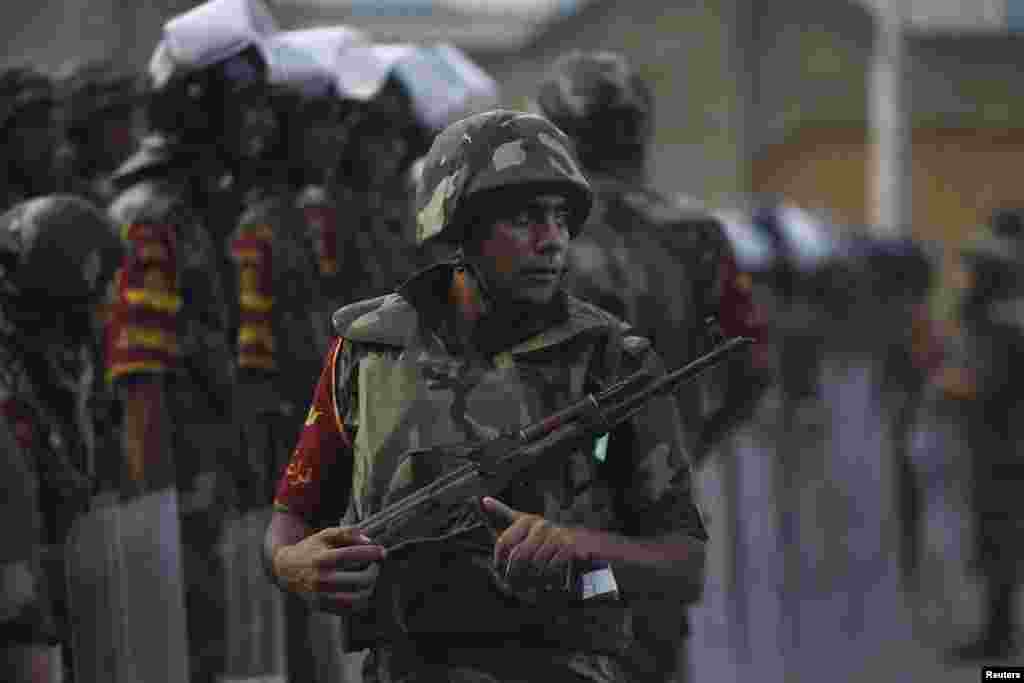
(508, 155)
(598, 582)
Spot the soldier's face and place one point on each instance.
(523, 256)
(257, 125)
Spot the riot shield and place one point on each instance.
(126, 593)
(255, 617)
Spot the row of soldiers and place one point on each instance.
(252, 207)
(167, 296)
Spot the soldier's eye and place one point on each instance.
(522, 219)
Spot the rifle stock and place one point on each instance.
(425, 514)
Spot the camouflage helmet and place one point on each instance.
(495, 150)
(58, 248)
(22, 87)
(91, 88)
(601, 102)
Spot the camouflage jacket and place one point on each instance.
(46, 410)
(655, 264)
(396, 380)
(650, 261)
(166, 310)
(25, 613)
(281, 333)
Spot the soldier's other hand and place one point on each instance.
(335, 569)
(534, 545)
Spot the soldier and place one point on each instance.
(984, 382)
(58, 253)
(100, 112)
(383, 140)
(643, 257)
(282, 333)
(28, 134)
(461, 351)
(168, 340)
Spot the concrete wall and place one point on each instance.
(50, 33)
(682, 49)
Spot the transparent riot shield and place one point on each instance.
(255, 616)
(126, 593)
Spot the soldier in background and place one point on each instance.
(281, 335)
(382, 141)
(100, 111)
(58, 253)
(168, 339)
(643, 257)
(28, 135)
(992, 316)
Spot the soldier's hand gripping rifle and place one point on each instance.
(427, 514)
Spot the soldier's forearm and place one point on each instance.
(284, 530)
(653, 565)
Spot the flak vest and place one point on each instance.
(406, 391)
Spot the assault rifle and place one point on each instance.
(427, 513)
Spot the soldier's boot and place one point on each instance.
(996, 641)
(126, 593)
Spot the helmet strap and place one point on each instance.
(486, 299)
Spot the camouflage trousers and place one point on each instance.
(407, 663)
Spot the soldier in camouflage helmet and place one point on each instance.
(57, 253)
(650, 259)
(99, 107)
(461, 351)
(28, 134)
(169, 349)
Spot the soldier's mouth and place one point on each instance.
(542, 274)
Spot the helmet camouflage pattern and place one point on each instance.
(600, 101)
(58, 247)
(22, 87)
(491, 151)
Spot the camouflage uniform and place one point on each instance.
(168, 318)
(59, 252)
(398, 378)
(364, 254)
(280, 341)
(26, 624)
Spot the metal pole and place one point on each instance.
(889, 169)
